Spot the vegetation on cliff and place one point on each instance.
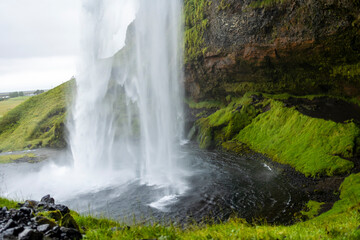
(313, 146)
(276, 46)
(195, 26)
(37, 122)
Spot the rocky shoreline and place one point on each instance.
(38, 220)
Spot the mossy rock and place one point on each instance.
(69, 222)
(237, 147)
(56, 215)
(44, 220)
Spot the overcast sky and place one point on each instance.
(39, 41)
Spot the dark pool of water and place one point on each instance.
(220, 185)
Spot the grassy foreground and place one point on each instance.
(341, 222)
(37, 122)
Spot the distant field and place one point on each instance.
(9, 104)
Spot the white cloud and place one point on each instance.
(37, 38)
(35, 73)
(39, 27)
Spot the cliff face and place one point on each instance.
(295, 46)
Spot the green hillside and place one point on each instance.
(37, 122)
(11, 103)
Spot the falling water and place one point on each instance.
(128, 111)
(126, 129)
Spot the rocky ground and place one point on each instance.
(38, 220)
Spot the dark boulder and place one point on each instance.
(30, 234)
(47, 199)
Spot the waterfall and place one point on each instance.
(128, 112)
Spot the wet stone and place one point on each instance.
(71, 233)
(13, 231)
(26, 211)
(62, 208)
(43, 228)
(30, 203)
(30, 234)
(47, 199)
(9, 224)
(20, 224)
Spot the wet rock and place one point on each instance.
(62, 208)
(47, 199)
(71, 233)
(56, 215)
(30, 234)
(21, 223)
(26, 211)
(55, 232)
(69, 222)
(13, 232)
(43, 228)
(9, 224)
(43, 220)
(30, 204)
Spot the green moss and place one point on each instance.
(349, 195)
(204, 104)
(265, 3)
(225, 123)
(310, 145)
(350, 71)
(37, 122)
(44, 220)
(69, 222)
(223, 5)
(13, 157)
(314, 147)
(54, 215)
(235, 146)
(195, 26)
(313, 209)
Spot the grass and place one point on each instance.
(37, 122)
(225, 123)
(8, 203)
(313, 209)
(204, 104)
(7, 105)
(314, 147)
(12, 158)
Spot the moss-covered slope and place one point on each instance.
(313, 146)
(37, 122)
